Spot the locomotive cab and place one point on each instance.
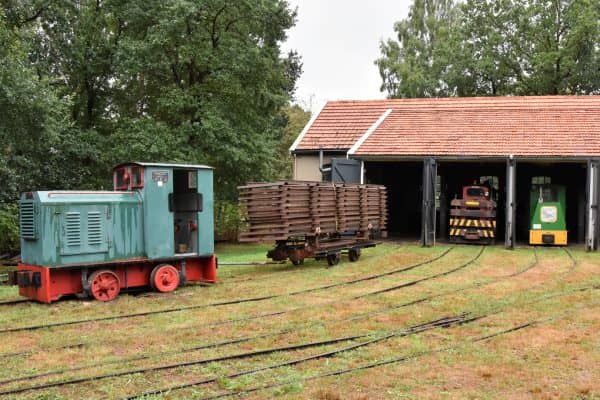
(175, 197)
(476, 193)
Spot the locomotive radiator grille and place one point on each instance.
(73, 229)
(94, 225)
(27, 220)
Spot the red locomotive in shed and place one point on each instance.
(473, 217)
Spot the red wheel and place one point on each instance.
(104, 285)
(164, 278)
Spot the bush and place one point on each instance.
(227, 221)
(9, 228)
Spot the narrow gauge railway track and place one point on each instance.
(397, 360)
(237, 278)
(444, 321)
(274, 334)
(249, 338)
(267, 351)
(284, 331)
(229, 280)
(461, 319)
(28, 352)
(13, 302)
(228, 302)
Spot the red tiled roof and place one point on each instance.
(546, 126)
(341, 123)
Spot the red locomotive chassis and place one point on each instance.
(105, 281)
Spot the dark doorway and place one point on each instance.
(572, 176)
(403, 181)
(453, 176)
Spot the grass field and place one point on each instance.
(530, 322)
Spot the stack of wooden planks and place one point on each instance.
(288, 209)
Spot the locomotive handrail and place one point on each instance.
(93, 192)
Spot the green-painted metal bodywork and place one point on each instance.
(87, 227)
(158, 229)
(548, 195)
(206, 222)
(83, 227)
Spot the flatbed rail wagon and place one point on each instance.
(313, 219)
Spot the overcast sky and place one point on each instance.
(339, 41)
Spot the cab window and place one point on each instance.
(122, 179)
(137, 177)
(475, 192)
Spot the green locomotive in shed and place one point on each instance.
(548, 206)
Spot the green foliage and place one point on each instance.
(494, 47)
(487, 33)
(85, 85)
(227, 220)
(9, 228)
(409, 66)
(562, 41)
(37, 136)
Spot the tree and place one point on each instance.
(497, 47)
(410, 66)
(485, 58)
(39, 147)
(210, 78)
(562, 41)
(87, 84)
(176, 80)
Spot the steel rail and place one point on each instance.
(227, 302)
(499, 310)
(396, 287)
(26, 352)
(273, 334)
(331, 353)
(232, 341)
(293, 347)
(445, 321)
(392, 361)
(12, 302)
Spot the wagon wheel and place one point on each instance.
(333, 259)
(164, 278)
(104, 285)
(354, 254)
(298, 261)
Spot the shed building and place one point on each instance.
(425, 150)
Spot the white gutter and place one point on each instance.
(371, 129)
(306, 128)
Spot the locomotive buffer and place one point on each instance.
(473, 217)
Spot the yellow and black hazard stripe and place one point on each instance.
(484, 233)
(477, 223)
